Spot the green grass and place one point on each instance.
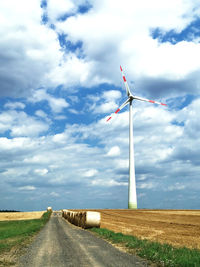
(162, 254)
(17, 233)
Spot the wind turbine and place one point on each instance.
(132, 196)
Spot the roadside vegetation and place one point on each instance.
(161, 254)
(15, 235)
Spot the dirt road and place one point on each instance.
(62, 244)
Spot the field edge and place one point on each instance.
(161, 254)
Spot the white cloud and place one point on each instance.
(74, 71)
(90, 173)
(55, 10)
(177, 186)
(146, 185)
(122, 163)
(14, 105)
(111, 95)
(60, 117)
(104, 103)
(29, 128)
(74, 111)
(41, 171)
(27, 188)
(41, 113)
(123, 42)
(108, 183)
(114, 151)
(60, 138)
(106, 107)
(161, 157)
(30, 62)
(20, 124)
(15, 144)
(26, 60)
(54, 194)
(56, 104)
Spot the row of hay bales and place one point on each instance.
(84, 219)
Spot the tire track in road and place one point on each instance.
(62, 244)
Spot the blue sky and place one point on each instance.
(60, 79)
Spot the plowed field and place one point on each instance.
(176, 227)
(13, 216)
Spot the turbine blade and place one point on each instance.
(120, 108)
(128, 91)
(147, 100)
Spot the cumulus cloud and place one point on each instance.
(123, 42)
(109, 183)
(114, 151)
(41, 171)
(56, 104)
(104, 103)
(30, 62)
(63, 9)
(41, 113)
(29, 49)
(177, 186)
(20, 124)
(54, 194)
(57, 10)
(14, 105)
(112, 94)
(27, 188)
(146, 185)
(159, 156)
(90, 173)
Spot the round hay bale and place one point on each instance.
(76, 218)
(73, 217)
(92, 219)
(80, 218)
(68, 215)
(64, 213)
(83, 218)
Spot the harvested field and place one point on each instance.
(13, 216)
(176, 227)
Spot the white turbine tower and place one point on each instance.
(132, 197)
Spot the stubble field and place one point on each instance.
(176, 227)
(15, 216)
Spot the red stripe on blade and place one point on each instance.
(117, 111)
(120, 68)
(124, 78)
(109, 118)
(163, 104)
(151, 101)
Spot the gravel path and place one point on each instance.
(62, 244)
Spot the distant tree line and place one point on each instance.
(9, 211)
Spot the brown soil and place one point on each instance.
(176, 227)
(13, 216)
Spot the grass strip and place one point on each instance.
(17, 234)
(162, 254)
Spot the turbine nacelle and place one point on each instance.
(131, 97)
